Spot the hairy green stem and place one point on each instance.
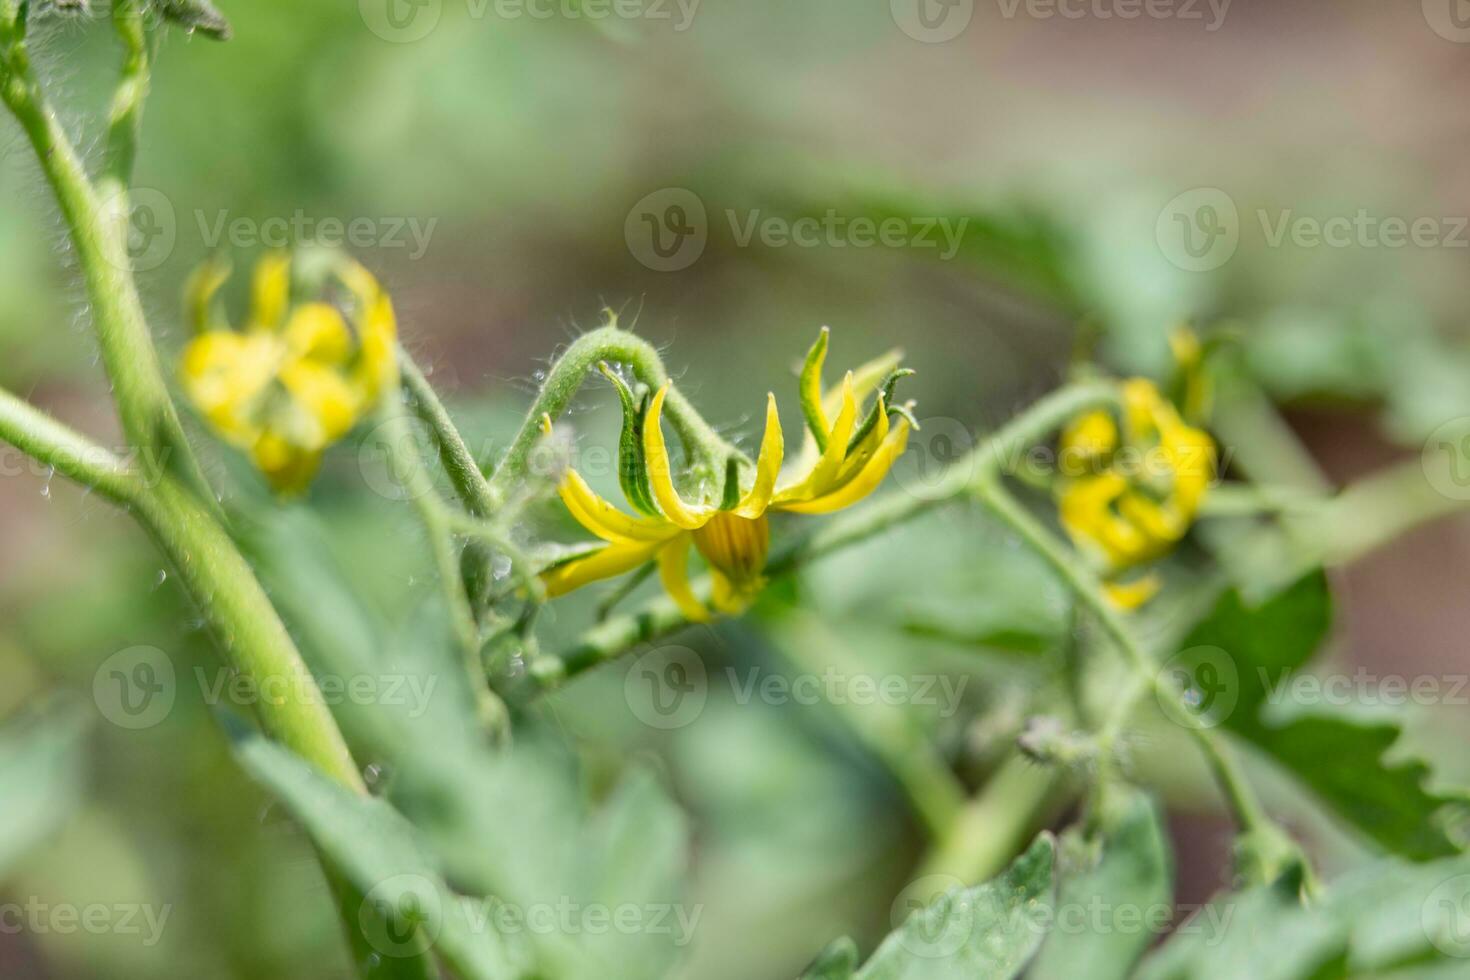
(566, 376)
(459, 463)
(97, 219)
(71, 454)
(1085, 586)
(125, 116)
(247, 627)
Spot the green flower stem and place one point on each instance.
(464, 472)
(618, 634)
(611, 344)
(73, 455)
(246, 625)
(996, 824)
(97, 219)
(125, 116)
(438, 525)
(1084, 585)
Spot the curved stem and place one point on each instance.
(1084, 585)
(566, 376)
(464, 472)
(72, 454)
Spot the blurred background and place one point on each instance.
(511, 170)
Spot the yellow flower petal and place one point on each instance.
(199, 292)
(660, 474)
(823, 475)
(287, 467)
(730, 598)
(607, 562)
(605, 520)
(767, 466)
(317, 331)
(673, 572)
(1131, 595)
(377, 360)
(323, 399)
(270, 291)
(225, 374)
(865, 482)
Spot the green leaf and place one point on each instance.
(1120, 899)
(408, 910)
(1339, 752)
(42, 773)
(1383, 916)
(1264, 934)
(836, 962)
(989, 931)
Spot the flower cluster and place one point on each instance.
(847, 454)
(301, 373)
(1136, 482)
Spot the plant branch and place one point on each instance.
(72, 454)
(464, 472)
(1084, 585)
(566, 376)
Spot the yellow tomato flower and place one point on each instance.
(733, 536)
(1127, 497)
(297, 378)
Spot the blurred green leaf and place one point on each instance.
(1384, 916)
(1337, 751)
(836, 962)
(988, 931)
(1130, 873)
(408, 910)
(42, 770)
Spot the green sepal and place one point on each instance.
(196, 15)
(632, 467)
(731, 494)
(871, 419)
(811, 389)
